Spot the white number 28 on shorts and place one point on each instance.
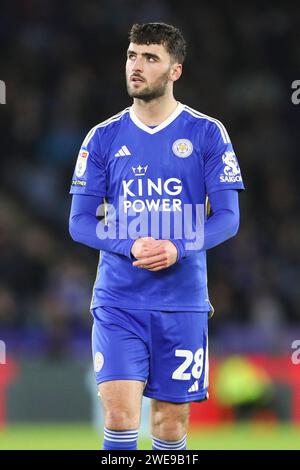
(179, 373)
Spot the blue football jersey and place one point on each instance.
(153, 180)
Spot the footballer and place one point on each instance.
(139, 190)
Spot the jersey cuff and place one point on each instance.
(85, 192)
(128, 248)
(181, 253)
(237, 187)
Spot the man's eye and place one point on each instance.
(151, 59)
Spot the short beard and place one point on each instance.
(150, 93)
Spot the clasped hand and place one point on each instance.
(152, 254)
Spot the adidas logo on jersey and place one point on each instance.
(194, 387)
(122, 152)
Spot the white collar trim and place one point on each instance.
(162, 125)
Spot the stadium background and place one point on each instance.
(63, 65)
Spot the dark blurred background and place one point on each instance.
(63, 65)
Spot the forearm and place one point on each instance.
(220, 226)
(84, 227)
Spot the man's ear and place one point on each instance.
(175, 72)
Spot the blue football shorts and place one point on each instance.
(168, 351)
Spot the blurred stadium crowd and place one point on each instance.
(63, 65)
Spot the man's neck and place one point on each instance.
(156, 111)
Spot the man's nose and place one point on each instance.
(137, 65)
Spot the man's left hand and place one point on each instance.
(162, 254)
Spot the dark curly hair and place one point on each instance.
(160, 33)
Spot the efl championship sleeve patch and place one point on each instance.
(81, 163)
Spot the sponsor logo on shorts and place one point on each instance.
(194, 387)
